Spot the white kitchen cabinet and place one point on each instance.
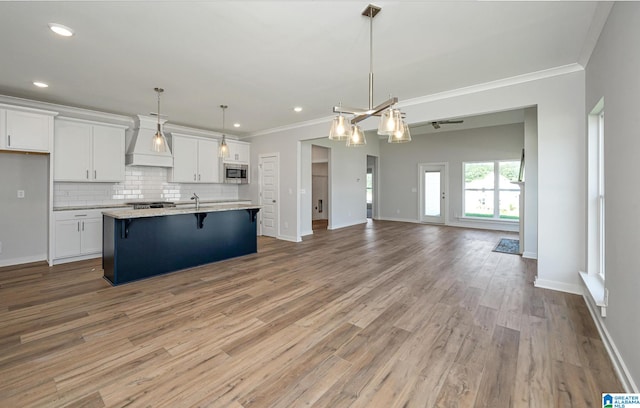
(195, 159)
(77, 235)
(25, 129)
(238, 152)
(88, 151)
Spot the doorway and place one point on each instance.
(372, 181)
(319, 187)
(433, 192)
(268, 166)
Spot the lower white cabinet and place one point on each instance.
(77, 235)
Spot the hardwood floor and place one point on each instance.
(384, 315)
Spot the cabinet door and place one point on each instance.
(67, 238)
(243, 153)
(72, 151)
(208, 161)
(28, 131)
(108, 153)
(185, 159)
(91, 232)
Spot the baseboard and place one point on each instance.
(23, 260)
(486, 225)
(338, 226)
(616, 359)
(530, 255)
(398, 219)
(76, 258)
(305, 233)
(289, 238)
(559, 286)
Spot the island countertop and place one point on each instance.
(158, 212)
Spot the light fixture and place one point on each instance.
(297, 109)
(237, 125)
(356, 138)
(40, 84)
(61, 30)
(223, 151)
(391, 121)
(341, 129)
(158, 141)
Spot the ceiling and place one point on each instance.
(262, 58)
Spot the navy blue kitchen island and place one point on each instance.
(139, 244)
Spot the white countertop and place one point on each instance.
(158, 212)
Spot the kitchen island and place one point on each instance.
(139, 244)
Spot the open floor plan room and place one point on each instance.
(383, 314)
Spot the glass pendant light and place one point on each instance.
(403, 136)
(357, 137)
(340, 128)
(223, 151)
(158, 141)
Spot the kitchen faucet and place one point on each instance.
(195, 197)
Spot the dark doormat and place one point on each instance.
(508, 246)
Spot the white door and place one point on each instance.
(269, 178)
(185, 160)
(72, 145)
(91, 235)
(433, 196)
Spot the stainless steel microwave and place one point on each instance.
(236, 173)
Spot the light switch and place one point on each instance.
(20, 193)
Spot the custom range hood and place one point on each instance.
(141, 152)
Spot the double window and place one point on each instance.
(489, 191)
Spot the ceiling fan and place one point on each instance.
(436, 124)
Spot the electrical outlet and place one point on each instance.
(20, 193)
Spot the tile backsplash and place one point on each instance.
(141, 184)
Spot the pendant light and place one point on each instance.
(158, 141)
(223, 151)
(340, 128)
(357, 137)
(391, 122)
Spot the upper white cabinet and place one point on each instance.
(26, 129)
(195, 159)
(238, 152)
(88, 151)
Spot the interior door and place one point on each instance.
(269, 179)
(433, 194)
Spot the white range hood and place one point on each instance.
(140, 152)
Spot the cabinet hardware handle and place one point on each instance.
(194, 177)
(9, 140)
(78, 226)
(83, 225)
(198, 177)
(95, 174)
(87, 174)
(80, 215)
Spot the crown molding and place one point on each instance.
(500, 83)
(600, 17)
(296, 125)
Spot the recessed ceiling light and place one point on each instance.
(236, 125)
(40, 84)
(61, 30)
(297, 109)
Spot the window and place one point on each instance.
(599, 164)
(369, 187)
(488, 191)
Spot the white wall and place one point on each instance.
(23, 221)
(400, 175)
(613, 72)
(531, 183)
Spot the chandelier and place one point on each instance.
(392, 123)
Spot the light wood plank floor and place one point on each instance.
(380, 315)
